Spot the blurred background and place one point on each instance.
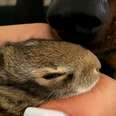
(23, 11)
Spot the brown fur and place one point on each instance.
(33, 72)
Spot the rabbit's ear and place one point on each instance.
(12, 103)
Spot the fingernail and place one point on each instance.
(31, 111)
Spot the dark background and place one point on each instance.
(24, 11)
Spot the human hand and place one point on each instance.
(100, 101)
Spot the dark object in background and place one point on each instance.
(21, 11)
(78, 21)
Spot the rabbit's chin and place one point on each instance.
(84, 90)
(61, 94)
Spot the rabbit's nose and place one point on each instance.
(53, 77)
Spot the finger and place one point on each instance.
(23, 32)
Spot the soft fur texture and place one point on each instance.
(34, 71)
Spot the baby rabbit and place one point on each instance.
(35, 71)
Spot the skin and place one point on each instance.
(101, 99)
